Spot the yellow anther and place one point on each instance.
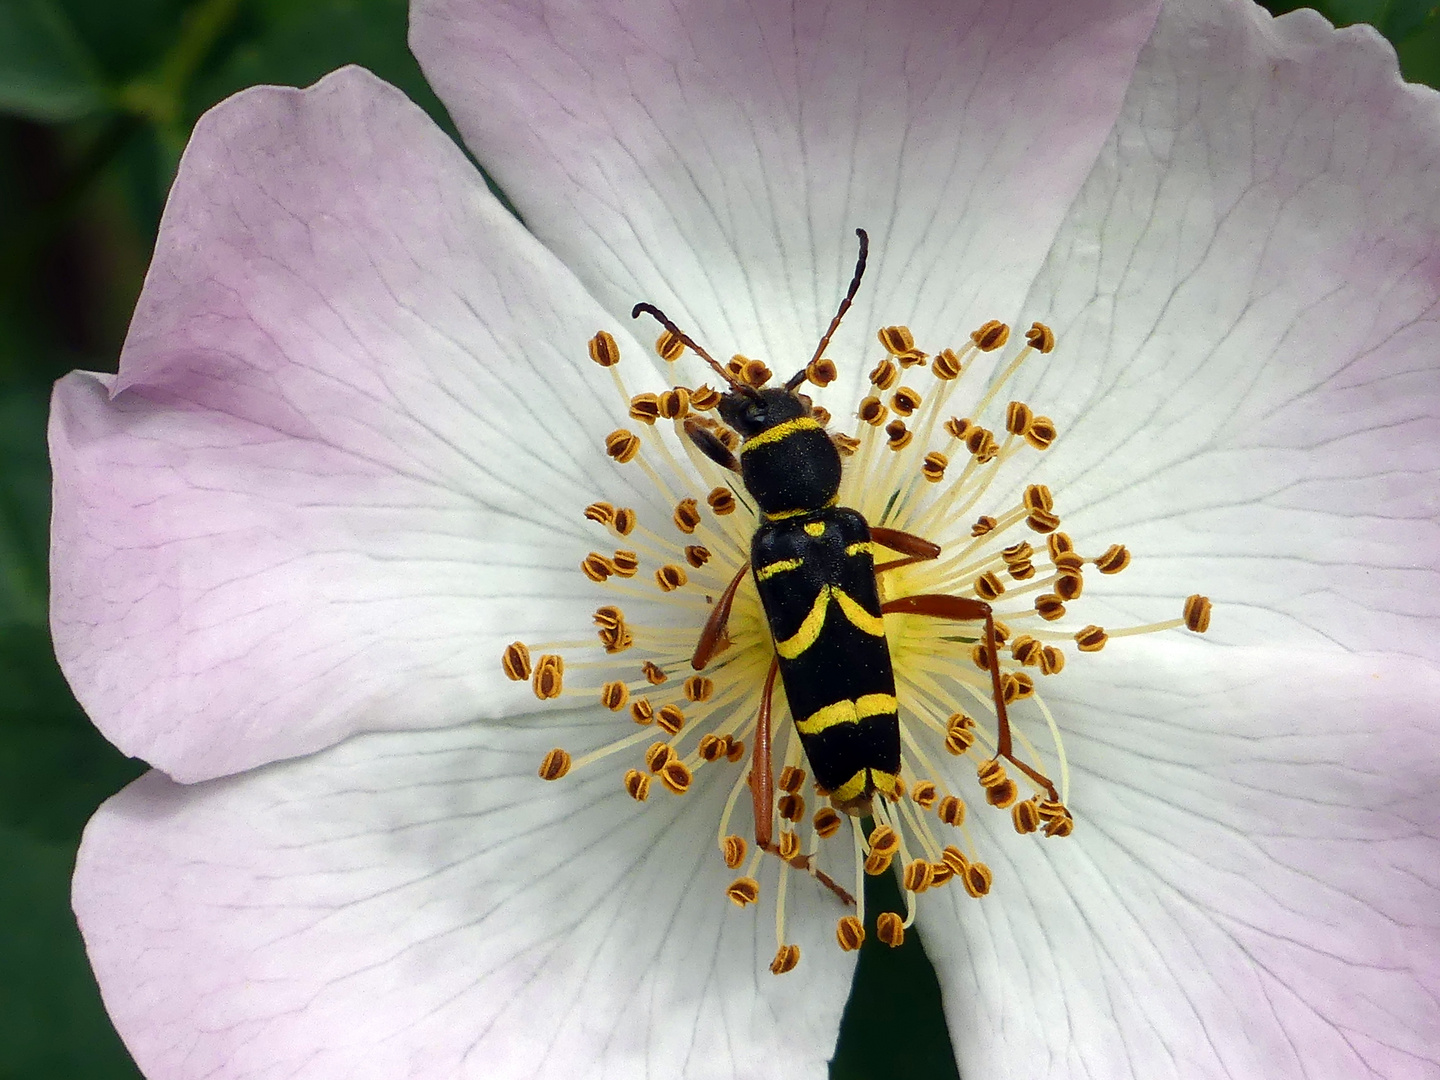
(637, 785)
(1069, 562)
(791, 806)
(924, 794)
(1041, 432)
(555, 765)
(826, 822)
(625, 563)
(614, 695)
(993, 335)
(1040, 337)
(820, 372)
(872, 411)
(516, 661)
(983, 524)
(603, 349)
(602, 512)
(669, 346)
(877, 862)
(1027, 650)
(1115, 559)
(954, 858)
(977, 878)
(946, 364)
(624, 522)
(1052, 661)
(734, 848)
(890, 929)
(940, 873)
(1197, 613)
(704, 398)
(896, 339)
(1058, 543)
(849, 933)
(699, 688)
(791, 778)
(657, 756)
(622, 445)
(952, 810)
(676, 777)
(736, 749)
(934, 465)
(845, 444)
(884, 838)
(959, 737)
(675, 403)
(596, 567)
(1069, 586)
(1091, 638)
(1016, 686)
(670, 719)
(710, 748)
(697, 555)
(721, 501)
(917, 876)
(1018, 417)
(981, 443)
(789, 845)
(743, 890)
(884, 375)
(988, 586)
(642, 712)
(898, 434)
(957, 428)
(820, 414)
(1050, 607)
(990, 773)
(905, 401)
(549, 677)
(754, 373)
(670, 577)
(687, 516)
(1002, 795)
(786, 957)
(1038, 497)
(1025, 816)
(644, 408)
(615, 638)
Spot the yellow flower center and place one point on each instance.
(913, 465)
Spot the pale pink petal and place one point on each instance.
(716, 160)
(346, 455)
(1247, 297)
(1252, 888)
(421, 904)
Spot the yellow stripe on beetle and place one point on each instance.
(809, 631)
(781, 431)
(767, 572)
(847, 712)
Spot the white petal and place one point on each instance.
(1251, 888)
(1247, 297)
(421, 904)
(716, 161)
(346, 455)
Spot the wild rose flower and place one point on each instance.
(346, 461)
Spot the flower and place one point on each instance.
(346, 458)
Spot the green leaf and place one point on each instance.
(51, 1020)
(45, 72)
(24, 507)
(1406, 17)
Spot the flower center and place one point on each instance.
(912, 466)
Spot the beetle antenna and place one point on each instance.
(799, 376)
(664, 320)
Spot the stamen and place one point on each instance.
(555, 765)
(516, 661)
(890, 929)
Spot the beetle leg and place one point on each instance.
(714, 631)
(967, 609)
(709, 444)
(915, 548)
(762, 794)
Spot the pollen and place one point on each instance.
(682, 685)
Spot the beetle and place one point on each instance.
(815, 569)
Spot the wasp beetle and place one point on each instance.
(815, 568)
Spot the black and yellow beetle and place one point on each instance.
(815, 569)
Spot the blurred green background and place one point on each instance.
(97, 98)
